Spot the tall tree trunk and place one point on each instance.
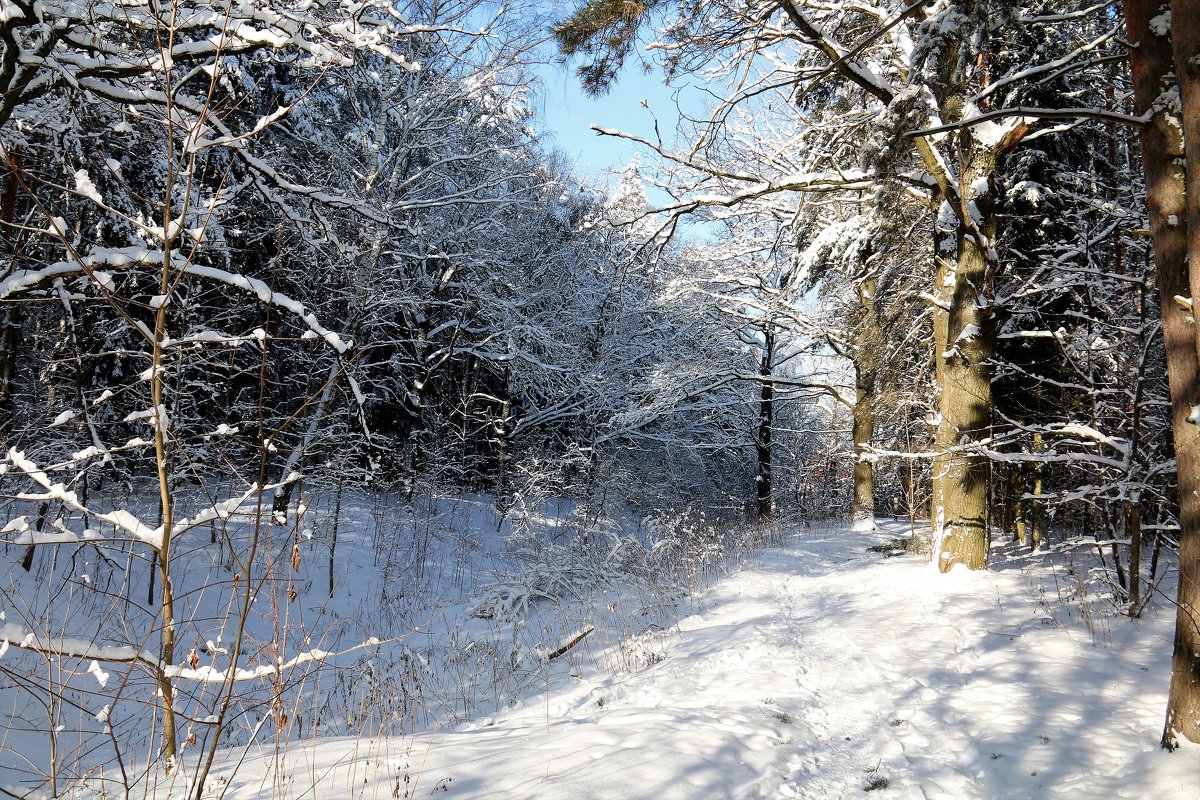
(862, 512)
(862, 508)
(964, 318)
(1174, 222)
(964, 339)
(766, 411)
(1133, 530)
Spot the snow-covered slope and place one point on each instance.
(820, 671)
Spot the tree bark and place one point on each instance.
(964, 339)
(1174, 224)
(766, 412)
(862, 511)
(1133, 529)
(862, 508)
(964, 320)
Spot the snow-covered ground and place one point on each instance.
(819, 670)
(424, 615)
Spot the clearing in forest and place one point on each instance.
(818, 670)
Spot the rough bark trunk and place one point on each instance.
(1133, 530)
(964, 339)
(964, 322)
(1175, 223)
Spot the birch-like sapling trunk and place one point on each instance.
(162, 442)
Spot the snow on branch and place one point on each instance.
(852, 180)
(986, 447)
(1049, 66)
(13, 635)
(843, 395)
(268, 295)
(935, 301)
(1090, 11)
(1091, 434)
(67, 647)
(840, 58)
(119, 258)
(196, 143)
(210, 674)
(120, 518)
(127, 257)
(1032, 113)
(218, 511)
(200, 32)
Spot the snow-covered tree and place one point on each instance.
(941, 102)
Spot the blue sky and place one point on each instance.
(564, 116)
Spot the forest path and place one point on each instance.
(819, 670)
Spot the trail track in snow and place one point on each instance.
(814, 672)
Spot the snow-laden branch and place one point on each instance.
(217, 511)
(841, 395)
(117, 258)
(1088, 432)
(1032, 113)
(843, 63)
(266, 294)
(61, 43)
(1066, 16)
(986, 447)
(129, 257)
(67, 647)
(1049, 66)
(935, 301)
(802, 182)
(121, 519)
(13, 635)
(839, 56)
(210, 674)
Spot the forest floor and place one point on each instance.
(819, 669)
